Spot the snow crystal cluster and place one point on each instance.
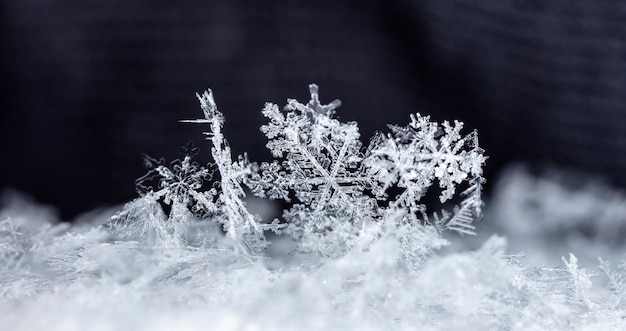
(356, 249)
(339, 191)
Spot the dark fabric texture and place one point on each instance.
(89, 85)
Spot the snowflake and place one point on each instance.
(320, 168)
(240, 225)
(178, 185)
(340, 190)
(342, 194)
(412, 157)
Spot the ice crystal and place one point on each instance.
(616, 283)
(10, 248)
(238, 222)
(320, 168)
(413, 157)
(341, 188)
(179, 187)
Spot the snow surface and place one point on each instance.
(54, 276)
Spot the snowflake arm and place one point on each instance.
(238, 222)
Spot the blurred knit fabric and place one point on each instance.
(89, 85)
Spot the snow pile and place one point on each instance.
(58, 278)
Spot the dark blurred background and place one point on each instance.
(90, 85)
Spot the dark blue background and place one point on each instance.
(89, 85)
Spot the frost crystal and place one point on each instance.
(238, 222)
(321, 168)
(342, 194)
(412, 157)
(179, 185)
(340, 189)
